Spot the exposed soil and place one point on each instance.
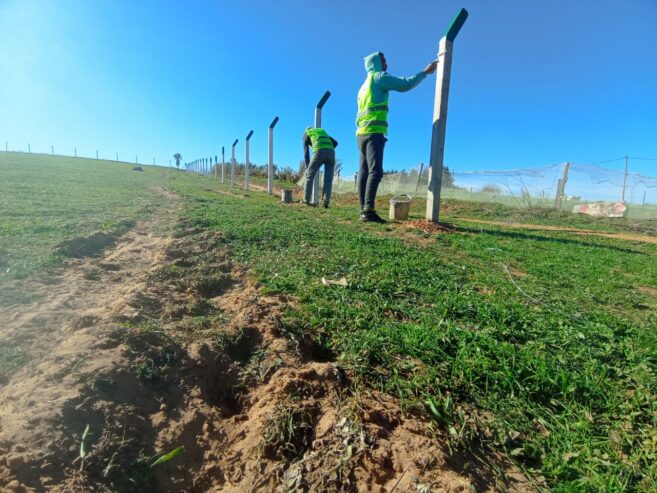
(649, 290)
(163, 342)
(587, 232)
(429, 226)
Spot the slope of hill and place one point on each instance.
(293, 348)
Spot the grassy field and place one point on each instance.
(45, 200)
(538, 343)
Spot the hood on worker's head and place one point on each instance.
(373, 62)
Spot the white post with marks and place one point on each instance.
(232, 164)
(223, 163)
(270, 164)
(443, 73)
(318, 124)
(247, 164)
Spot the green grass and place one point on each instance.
(45, 200)
(538, 343)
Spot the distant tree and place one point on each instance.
(177, 157)
(492, 188)
(448, 178)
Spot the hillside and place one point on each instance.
(297, 348)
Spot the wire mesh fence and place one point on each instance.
(567, 186)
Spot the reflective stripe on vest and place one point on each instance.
(372, 118)
(319, 139)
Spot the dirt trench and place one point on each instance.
(163, 342)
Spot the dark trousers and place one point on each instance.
(370, 172)
(327, 158)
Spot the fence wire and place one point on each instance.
(528, 187)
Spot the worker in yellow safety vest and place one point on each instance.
(372, 123)
(323, 146)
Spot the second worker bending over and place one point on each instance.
(323, 146)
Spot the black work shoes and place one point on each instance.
(371, 217)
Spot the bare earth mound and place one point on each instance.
(163, 343)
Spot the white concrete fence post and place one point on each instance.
(223, 163)
(270, 163)
(232, 164)
(318, 124)
(443, 73)
(247, 164)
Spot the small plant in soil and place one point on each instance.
(11, 360)
(289, 432)
(92, 274)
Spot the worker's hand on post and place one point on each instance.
(431, 68)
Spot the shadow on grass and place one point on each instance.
(537, 237)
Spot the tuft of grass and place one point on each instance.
(167, 457)
(289, 431)
(11, 360)
(92, 274)
(83, 447)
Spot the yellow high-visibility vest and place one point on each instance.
(372, 117)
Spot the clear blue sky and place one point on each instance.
(532, 82)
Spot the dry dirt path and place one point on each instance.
(57, 334)
(585, 232)
(163, 342)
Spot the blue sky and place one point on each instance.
(533, 83)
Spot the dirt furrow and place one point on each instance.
(163, 344)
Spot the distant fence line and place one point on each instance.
(525, 187)
(114, 157)
(563, 185)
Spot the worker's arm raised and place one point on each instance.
(401, 84)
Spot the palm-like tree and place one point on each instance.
(177, 157)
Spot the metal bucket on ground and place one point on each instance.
(286, 196)
(400, 205)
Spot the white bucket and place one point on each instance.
(400, 205)
(286, 196)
